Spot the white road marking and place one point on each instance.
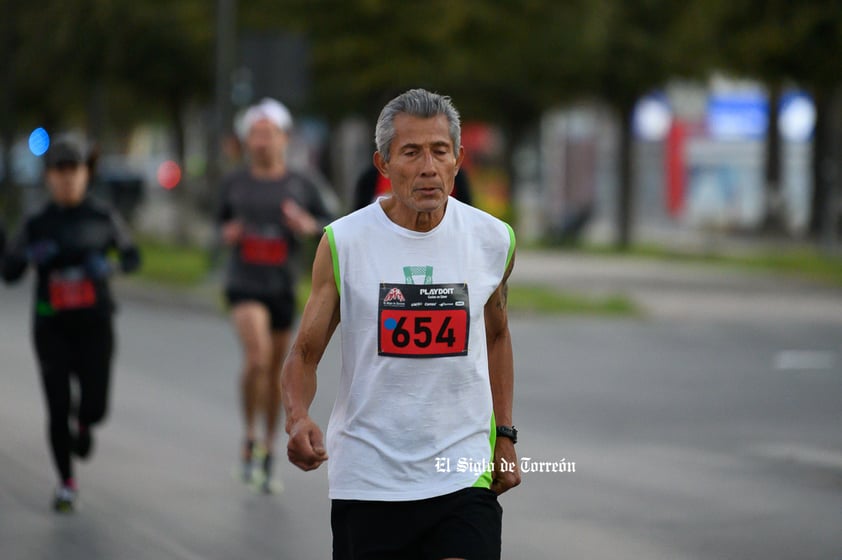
(802, 454)
(804, 360)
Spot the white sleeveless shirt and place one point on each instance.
(413, 414)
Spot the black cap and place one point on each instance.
(66, 150)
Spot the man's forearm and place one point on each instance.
(298, 382)
(501, 374)
(318, 322)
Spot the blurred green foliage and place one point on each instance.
(62, 61)
(504, 61)
(106, 64)
(172, 265)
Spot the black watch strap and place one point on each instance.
(507, 432)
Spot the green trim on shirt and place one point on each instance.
(511, 245)
(484, 480)
(335, 257)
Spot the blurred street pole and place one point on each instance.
(773, 218)
(833, 174)
(226, 29)
(625, 198)
(7, 103)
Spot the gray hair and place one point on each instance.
(418, 103)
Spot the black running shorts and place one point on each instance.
(464, 524)
(281, 307)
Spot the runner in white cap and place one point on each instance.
(265, 210)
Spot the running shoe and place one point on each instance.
(64, 500)
(247, 468)
(266, 486)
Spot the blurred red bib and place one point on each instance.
(70, 289)
(264, 251)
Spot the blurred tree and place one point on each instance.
(782, 42)
(503, 61)
(164, 53)
(365, 51)
(61, 50)
(103, 64)
(630, 48)
(69, 58)
(46, 50)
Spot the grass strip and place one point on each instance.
(171, 264)
(802, 263)
(547, 301)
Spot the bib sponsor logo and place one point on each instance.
(436, 291)
(394, 295)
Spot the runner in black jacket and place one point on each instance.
(68, 242)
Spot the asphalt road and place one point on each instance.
(700, 439)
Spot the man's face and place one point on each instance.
(68, 183)
(265, 141)
(422, 165)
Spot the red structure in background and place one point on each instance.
(676, 171)
(484, 161)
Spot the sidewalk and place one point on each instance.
(682, 290)
(204, 298)
(663, 290)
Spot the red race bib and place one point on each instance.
(427, 321)
(264, 251)
(70, 289)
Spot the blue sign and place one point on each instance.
(738, 116)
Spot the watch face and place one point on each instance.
(508, 432)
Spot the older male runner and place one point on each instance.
(420, 440)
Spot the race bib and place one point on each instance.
(70, 289)
(423, 321)
(264, 251)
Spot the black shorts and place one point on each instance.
(464, 524)
(281, 307)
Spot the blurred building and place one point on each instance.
(699, 157)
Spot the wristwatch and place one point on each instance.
(507, 432)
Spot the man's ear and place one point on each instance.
(460, 158)
(381, 164)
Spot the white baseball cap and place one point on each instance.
(270, 109)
